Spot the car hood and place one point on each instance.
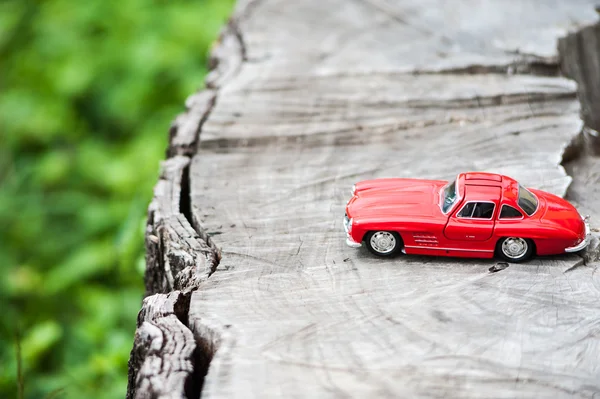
(560, 213)
(395, 197)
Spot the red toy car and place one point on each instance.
(477, 215)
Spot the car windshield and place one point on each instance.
(449, 197)
(527, 201)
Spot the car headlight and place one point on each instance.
(350, 226)
(353, 189)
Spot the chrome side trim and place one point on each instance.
(449, 249)
(584, 243)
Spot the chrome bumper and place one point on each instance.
(584, 243)
(352, 244)
(349, 241)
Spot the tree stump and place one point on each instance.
(251, 289)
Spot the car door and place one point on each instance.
(474, 221)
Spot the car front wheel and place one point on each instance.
(515, 249)
(383, 243)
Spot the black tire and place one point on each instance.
(515, 249)
(383, 237)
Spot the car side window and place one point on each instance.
(477, 210)
(467, 210)
(508, 212)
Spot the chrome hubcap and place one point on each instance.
(383, 242)
(514, 247)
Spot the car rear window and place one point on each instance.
(527, 201)
(508, 212)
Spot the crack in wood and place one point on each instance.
(185, 130)
(178, 256)
(527, 66)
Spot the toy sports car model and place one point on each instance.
(478, 215)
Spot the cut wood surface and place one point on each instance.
(306, 98)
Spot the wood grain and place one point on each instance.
(305, 98)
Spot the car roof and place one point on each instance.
(483, 176)
(482, 193)
(489, 186)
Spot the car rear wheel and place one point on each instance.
(383, 243)
(515, 249)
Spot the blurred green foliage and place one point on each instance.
(87, 92)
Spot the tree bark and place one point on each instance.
(251, 289)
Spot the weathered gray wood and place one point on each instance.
(185, 128)
(315, 109)
(167, 361)
(305, 99)
(580, 61)
(163, 353)
(178, 257)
